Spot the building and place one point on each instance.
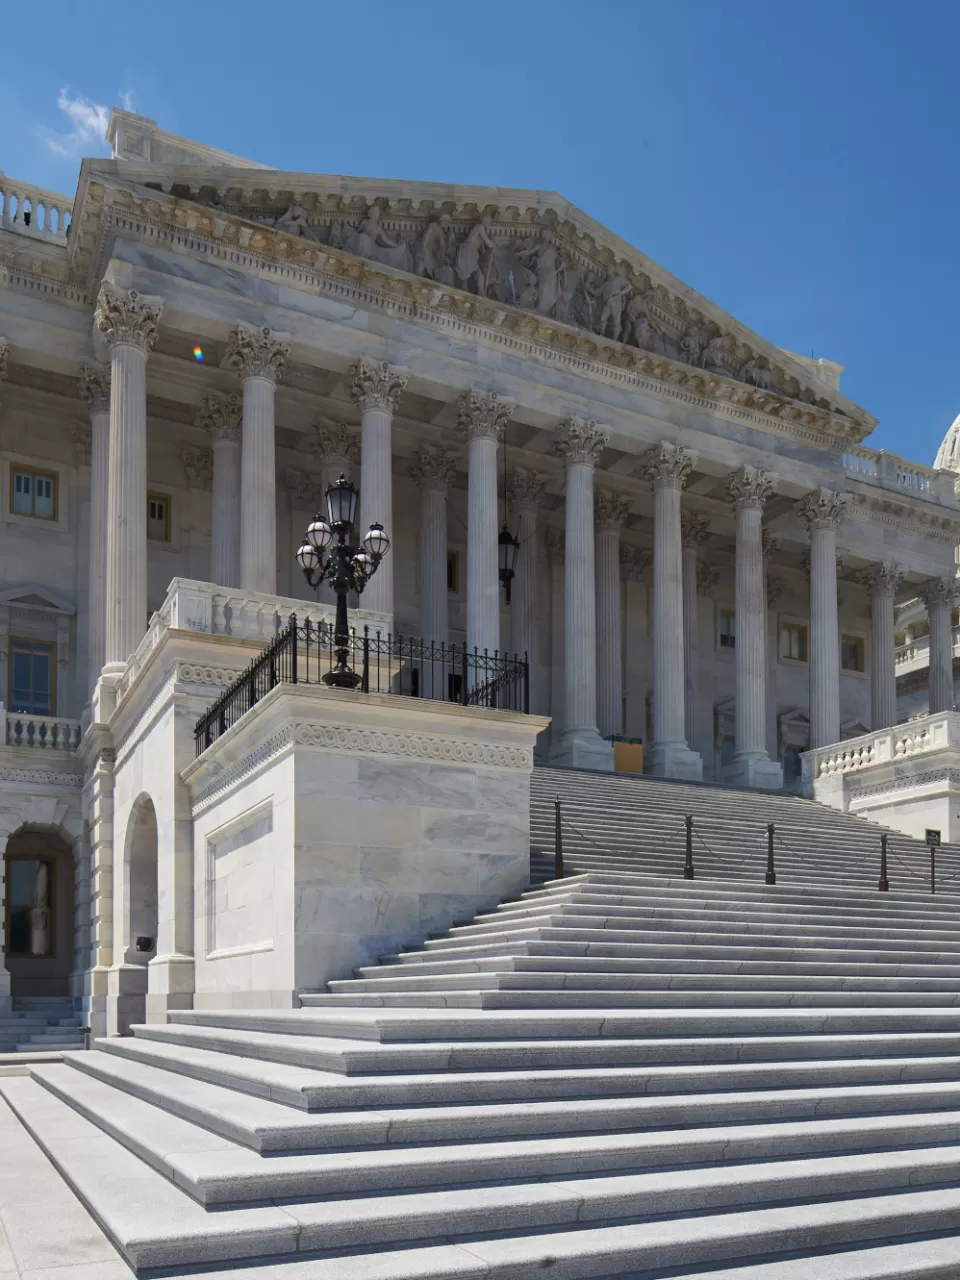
(195, 345)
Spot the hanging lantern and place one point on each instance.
(508, 548)
(341, 503)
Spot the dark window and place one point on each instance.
(453, 571)
(31, 678)
(852, 653)
(29, 907)
(728, 631)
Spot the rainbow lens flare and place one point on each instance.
(198, 353)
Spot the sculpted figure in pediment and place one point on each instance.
(294, 220)
(642, 331)
(693, 344)
(759, 375)
(369, 240)
(613, 294)
(718, 358)
(550, 270)
(476, 258)
(431, 253)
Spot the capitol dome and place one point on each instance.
(948, 455)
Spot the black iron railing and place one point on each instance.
(303, 653)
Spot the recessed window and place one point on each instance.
(852, 653)
(793, 642)
(728, 630)
(33, 493)
(728, 749)
(32, 689)
(453, 571)
(158, 517)
(29, 894)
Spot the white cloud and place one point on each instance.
(88, 125)
(126, 101)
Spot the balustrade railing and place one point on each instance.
(889, 470)
(917, 737)
(304, 653)
(33, 210)
(51, 733)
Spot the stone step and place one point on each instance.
(216, 1171)
(219, 1057)
(539, 999)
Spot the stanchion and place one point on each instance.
(933, 869)
(771, 873)
(688, 871)
(884, 885)
(557, 841)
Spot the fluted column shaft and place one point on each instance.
(751, 657)
(376, 387)
(611, 512)
(884, 581)
(940, 597)
(226, 503)
(433, 470)
(693, 529)
(526, 491)
(129, 323)
(822, 511)
(482, 415)
(95, 390)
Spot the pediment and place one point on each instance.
(34, 596)
(526, 262)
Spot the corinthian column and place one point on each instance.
(336, 449)
(221, 415)
(884, 582)
(667, 466)
(748, 489)
(526, 493)
(258, 355)
(95, 390)
(940, 595)
(611, 513)
(376, 387)
(483, 415)
(580, 443)
(129, 322)
(433, 470)
(822, 512)
(694, 528)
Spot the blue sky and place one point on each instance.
(797, 163)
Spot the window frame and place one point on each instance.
(453, 579)
(35, 473)
(12, 462)
(853, 637)
(157, 495)
(51, 648)
(51, 862)
(795, 624)
(726, 611)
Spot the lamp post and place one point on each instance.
(346, 564)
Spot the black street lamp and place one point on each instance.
(347, 566)
(507, 549)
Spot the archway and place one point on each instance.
(140, 883)
(39, 896)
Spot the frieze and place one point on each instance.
(195, 673)
(37, 777)
(412, 746)
(223, 782)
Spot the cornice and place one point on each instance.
(886, 511)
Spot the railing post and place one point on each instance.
(365, 669)
(464, 691)
(933, 869)
(526, 682)
(884, 885)
(293, 650)
(688, 872)
(557, 841)
(771, 877)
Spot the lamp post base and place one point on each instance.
(338, 679)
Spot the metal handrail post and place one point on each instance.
(557, 841)
(771, 877)
(688, 871)
(884, 885)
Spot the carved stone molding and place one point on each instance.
(580, 441)
(939, 592)
(256, 352)
(668, 464)
(305, 487)
(483, 414)
(194, 673)
(94, 387)
(222, 782)
(335, 444)
(694, 528)
(612, 509)
(221, 415)
(375, 384)
(197, 467)
(769, 544)
(411, 746)
(635, 562)
(822, 509)
(526, 489)
(882, 579)
(708, 578)
(39, 777)
(82, 437)
(750, 487)
(128, 318)
(775, 590)
(433, 469)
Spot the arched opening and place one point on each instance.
(141, 883)
(38, 868)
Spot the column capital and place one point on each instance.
(375, 384)
(94, 387)
(822, 509)
(580, 441)
(526, 489)
(335, 442)
(769, 545)
(668, 465)
(256, 351)
(128, 318)
(433, 469)
(197, 467)
(634, 562)
(304, 486)
(694, 528)
(882, 579)
(612, 510)
(940, 592)
(220, 414)
(708, 578)
(4, 356)
(483, 414)
(750, 487)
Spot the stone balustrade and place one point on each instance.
(890, 471)
(46, 733)
(34, 211)
(915, 655)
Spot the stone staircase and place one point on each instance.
(620, 1075)
(40, 1024)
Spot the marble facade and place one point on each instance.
(711, 557)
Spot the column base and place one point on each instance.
(170, 985)
(754, 771)
(582, 749)
(675, 760)
(126, 998)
